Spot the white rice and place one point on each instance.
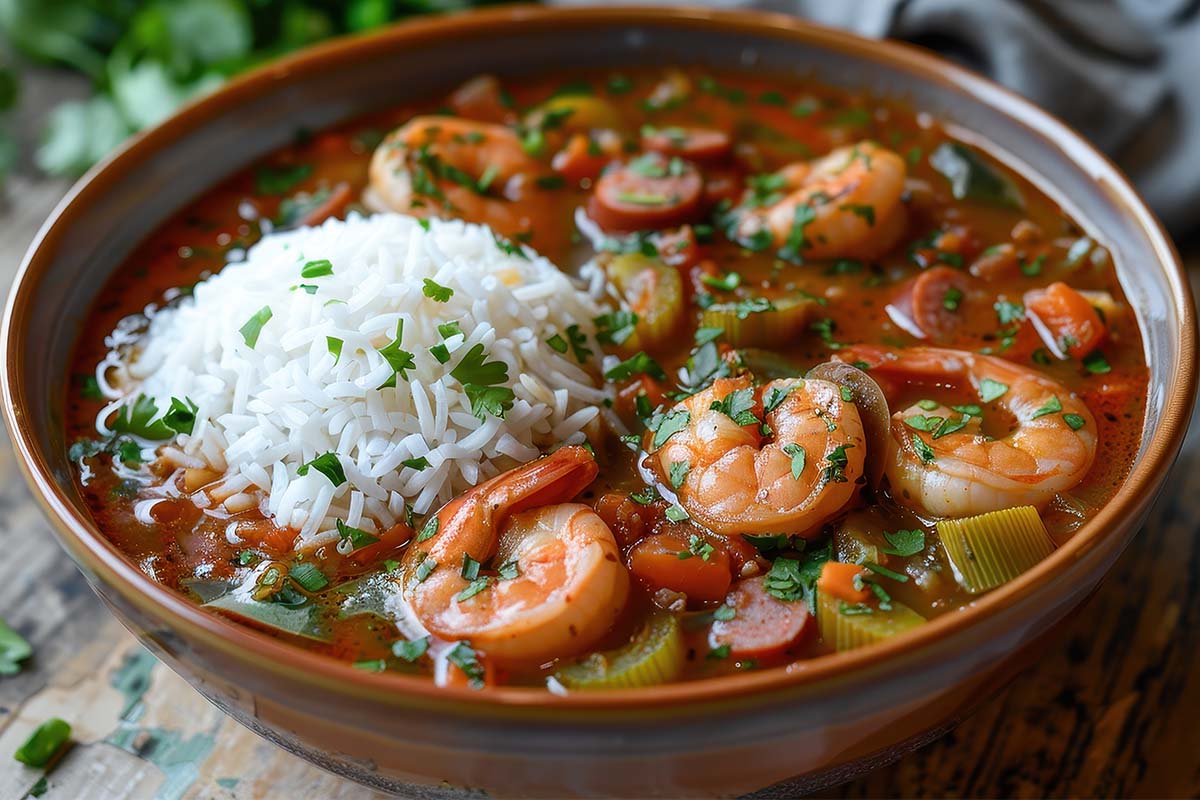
(267, 410)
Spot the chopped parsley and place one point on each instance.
(430, 530)
(357, 537)
(254, 326)
(774, 397)
(836, 471)
(473, 588)
(990, 390)
(481, 381)
(795, 243)
(952, 298)
(1074, 421)
(420, 463)
(578, 342)
(466, 659)
(636, 365)
(798, 458)
(904, 542)
(1007, 312)
(864, 211)
(399, 359)
(790, 579)
(13, 649)
(615, 327)
(677, 513)
(425, 568)
(738, 405)
(1095, 363)
(334, 345)
(329, 465)
(825, 329)
(667, 425)
(726, 283)
(677, 473)
(435, 291)
(923, 449)
(280, 180)
(181, 416)
(1034, 267)
(885, 572)
(410, 650)
(46, 740)
(317, 269)
(1051, 406)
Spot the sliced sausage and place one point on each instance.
(762, 624)
(704, 145)
(650, 193)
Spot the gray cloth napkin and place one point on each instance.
(1125, 73)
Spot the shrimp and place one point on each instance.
(940, 460)
(457, 168)
(561, 583)
(738, 476)
(846, 204)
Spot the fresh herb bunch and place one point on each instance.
(146, 57)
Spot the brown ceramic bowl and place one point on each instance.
(820, 720)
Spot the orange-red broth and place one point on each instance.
(772, 124)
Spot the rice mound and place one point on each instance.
(264, 411)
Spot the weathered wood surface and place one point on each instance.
(1108, 712)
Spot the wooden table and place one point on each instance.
(1109, 711)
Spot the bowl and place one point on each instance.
(811, 723)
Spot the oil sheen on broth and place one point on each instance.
(979, 360)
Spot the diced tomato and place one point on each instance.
(390, 541)
(683, 562)
(722, 183)
(837, 580)
(626, 518)
(480, 98)
(267, 534)
(627, 395)
(580, 159)
(762, 624)
(1066, 321)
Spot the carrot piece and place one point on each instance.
(762, 624)
(837, 580)
(1066, 321)
(266, 533)
(679, 247)
(334, 205)
(687, 563)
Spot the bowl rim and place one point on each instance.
(97, 556)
